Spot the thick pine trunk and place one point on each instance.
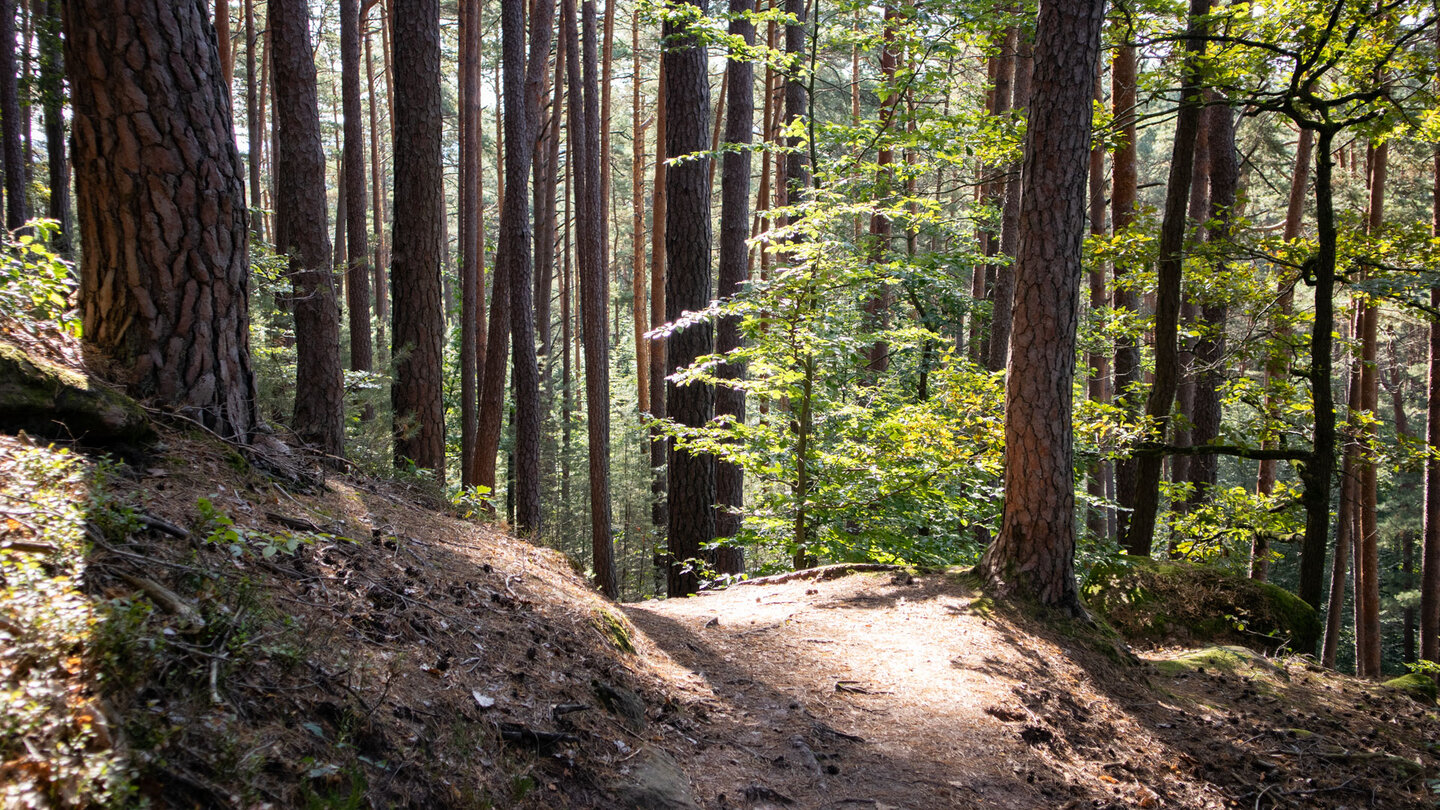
(687, 289)
(300, 206)
(182, 339)
(415, 263)
(734, 228)
(1034, 553)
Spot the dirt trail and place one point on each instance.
(896, 692)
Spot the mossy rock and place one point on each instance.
(1417, 685)
(614, 628)
(1152, 602)
(1228, 659)
(44, 399)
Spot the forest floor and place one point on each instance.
(900, 691)
(192, 624)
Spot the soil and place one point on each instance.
(405, 656)
(916, 692)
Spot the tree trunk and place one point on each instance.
(687, 289)
(584, 119)
(1344, 536)
(10, 121)
(254, 118)
(222, 40)
(52, 89)
(877, 308)
(1315, 476)
(659, 445)
(415, 265)
(1210, 349)
(734, 228)
(300, 207)
(1034, 554)
(523, 82)
(471, 250)
(637, 224)
(1124, 78)
(1367, 627)
(1275, 364)
(183, 341)
(1003, 291)
(357, 275)
(377, 184)
(797, 102)
(1167, 297)
(1430, 531)
(1099, 477)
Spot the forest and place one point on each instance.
(1088, 301)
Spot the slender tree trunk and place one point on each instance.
(687, 289)
(1167, 298)
(877, 308)
(52, 87)
(637, 223)
(1124, 78)
(1276, 363)
(222, 39)
(797, 102)
(1099, 478)
(10, 121)
(584, 119)
(1367, 628)
(470, 247)
(255, 126)
(734, 227)
(377, 183)
(543, 162)
(1344, 535)
(300, 206)
(188, 346)
(415, 265)
(357, 277)
(1430, 530)
(1003, 291)
(1210, 349)
(1033, 555)
(1315, 476)
(659, 445)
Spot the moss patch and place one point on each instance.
(1417, 685)
(1168, 602)
(1228, 659)
(615, 629)
(48, 400)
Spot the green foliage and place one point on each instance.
(221, 530)
(36, 284)
(54, 737)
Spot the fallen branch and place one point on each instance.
(166, 599)
(823, 572)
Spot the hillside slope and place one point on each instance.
(197, 625)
